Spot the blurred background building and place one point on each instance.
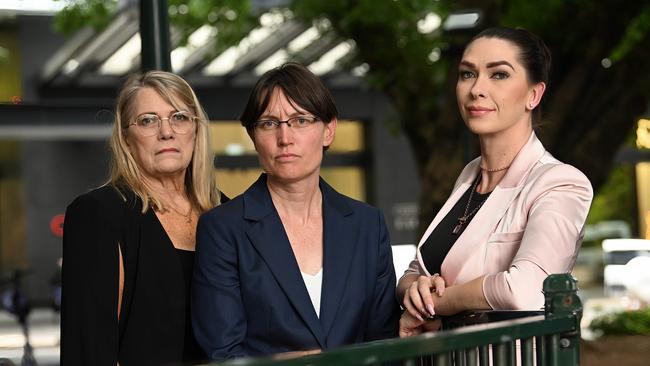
(57, 94)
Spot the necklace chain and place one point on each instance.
(495, 169)
(463, 219)
(486, 169)
(188, 216)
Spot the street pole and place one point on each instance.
(154, 33)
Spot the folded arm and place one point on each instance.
(559, 204)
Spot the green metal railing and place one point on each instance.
(551, 338)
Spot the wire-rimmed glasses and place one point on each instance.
(298, 123)
(148, 124)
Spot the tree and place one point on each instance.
(599, 85)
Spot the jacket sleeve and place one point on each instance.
(413, 268)
(218, 316)
(89, 325)
(383, 318)
(559, 202)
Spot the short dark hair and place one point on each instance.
(534, 55)
(299, 85)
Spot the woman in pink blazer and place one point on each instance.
(516, 214)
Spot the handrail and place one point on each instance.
(485, 316)
(552, 339)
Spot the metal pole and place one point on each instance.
(154, 33)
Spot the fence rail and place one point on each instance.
(552, 338)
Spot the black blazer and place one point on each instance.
(151, 328)
(249, 298)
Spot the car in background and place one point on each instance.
(618, 276)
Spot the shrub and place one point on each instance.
(627, 322)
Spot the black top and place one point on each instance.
(191, 350)
(152, 325)
(435, 248)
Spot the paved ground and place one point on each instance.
(619, 350)
(44, 337)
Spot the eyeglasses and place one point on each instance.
(148, 124)
(298, 123)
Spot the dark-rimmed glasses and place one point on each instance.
(298, 123)
(148, 124)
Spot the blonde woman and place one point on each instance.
(128, 247)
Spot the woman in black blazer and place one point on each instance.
(128, 247)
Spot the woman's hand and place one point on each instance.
(410, 326)
(418, 299)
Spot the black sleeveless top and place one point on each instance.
(442, 238)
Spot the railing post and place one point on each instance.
(561, 300)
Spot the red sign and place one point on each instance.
(56, 225)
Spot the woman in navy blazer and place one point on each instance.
(291, 265)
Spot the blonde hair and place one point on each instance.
(200, 184)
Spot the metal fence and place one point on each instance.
(551, 337)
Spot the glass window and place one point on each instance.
(10, 74)
(234, 182)
(12, 210)
(230, 138)
(347, 180)
(349, 137)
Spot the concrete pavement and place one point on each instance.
(44, 337)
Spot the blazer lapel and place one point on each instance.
(493, 209)
(339, 241)
(481, 226)
(269, 238)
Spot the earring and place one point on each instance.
(532, 106)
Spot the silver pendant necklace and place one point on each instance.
(463, 219)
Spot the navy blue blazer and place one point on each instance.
(249, 298)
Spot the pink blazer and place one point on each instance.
(530, 226)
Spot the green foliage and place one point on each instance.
(591, 107)
(636, 30)
(80, 13)
(616, 198)
(533, 15)
(623, 323)
(385, 33)
(231, 19)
